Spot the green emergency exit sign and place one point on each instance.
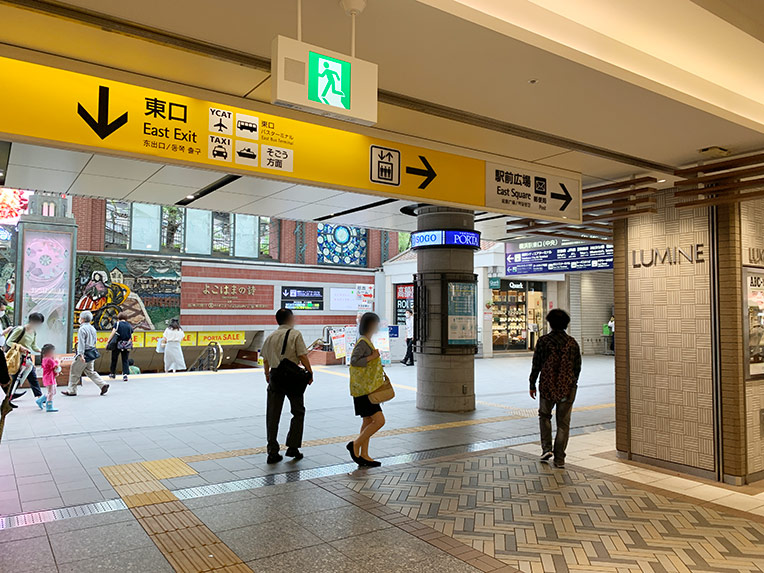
(328, 80)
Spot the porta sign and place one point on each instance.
(446, 238)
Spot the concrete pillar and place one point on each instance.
(445, 378)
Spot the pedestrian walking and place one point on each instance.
(557, 360)
(25, 337)
(173, 352)
(283, 352)
(366, 376)
(120, 344)
(408, 360)
(50, 369)
(85, 357)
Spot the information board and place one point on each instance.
(302, 298)
(560, 260)
(343, 299)
(462, 313)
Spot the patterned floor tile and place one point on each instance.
(537, 518)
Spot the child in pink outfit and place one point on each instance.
(50, 368)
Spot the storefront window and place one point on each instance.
(341, 245)
(246, 241)
(754, 324)
(221, 233)
(404, 242)
(117, 233)
(508, 305)
(265, 237)
(146, 227)
(199, 241)
(172, 229)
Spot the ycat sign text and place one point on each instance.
(445, 238)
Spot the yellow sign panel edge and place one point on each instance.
(457, 172)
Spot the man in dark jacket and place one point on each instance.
(557, 359)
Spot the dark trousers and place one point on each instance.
(273, 408)
(562, 411)
(115, 354)
(409, 358)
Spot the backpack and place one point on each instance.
(557, 376)
(13, 359)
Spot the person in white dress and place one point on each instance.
(173, 353)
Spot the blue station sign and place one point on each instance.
(446, 238)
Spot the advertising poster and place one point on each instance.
(755, 323)
(338, 343)
(462, 313)
(381, 342)
(404, 300)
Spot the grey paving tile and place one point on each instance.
(82, 496)
(31, 554)
(308, 501)
(386, 549)
(16, 533)
(97, 520)
(98, 541)
(239, 514)
(274, 537)
(141, 560)
(442, 564)
(315, 559)
(334, 524)
(40, 490)
(42, 504)
(214, 500)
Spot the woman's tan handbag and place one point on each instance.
(384, 393)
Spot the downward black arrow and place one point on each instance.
(102, 127)
(428, 172)
(565, 197)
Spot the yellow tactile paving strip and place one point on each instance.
(188, 544)
(169, 468)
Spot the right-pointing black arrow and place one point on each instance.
(428, 172)
(102, 127)
(565, 197)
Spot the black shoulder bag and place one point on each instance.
(288, 376)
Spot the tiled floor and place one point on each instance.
(534, 517)
(54, 460)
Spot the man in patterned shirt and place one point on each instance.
(557, 359)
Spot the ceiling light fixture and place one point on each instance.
(533, 81)
(661, 180)
(189, 196)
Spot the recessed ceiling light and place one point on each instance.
(661, 180)
(189, 196)
(533, 81)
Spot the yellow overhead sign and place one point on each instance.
(53, 105)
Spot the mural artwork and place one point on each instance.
(147, 289)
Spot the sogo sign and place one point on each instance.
(445, 238)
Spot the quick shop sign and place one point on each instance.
(445, 238)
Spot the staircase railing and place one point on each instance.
(209, 360)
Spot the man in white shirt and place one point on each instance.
(408, 360)
(296, 352)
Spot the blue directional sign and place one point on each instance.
(561, 260)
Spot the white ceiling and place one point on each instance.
(422, 52)
(92, 175)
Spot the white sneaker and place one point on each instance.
(546, 456)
